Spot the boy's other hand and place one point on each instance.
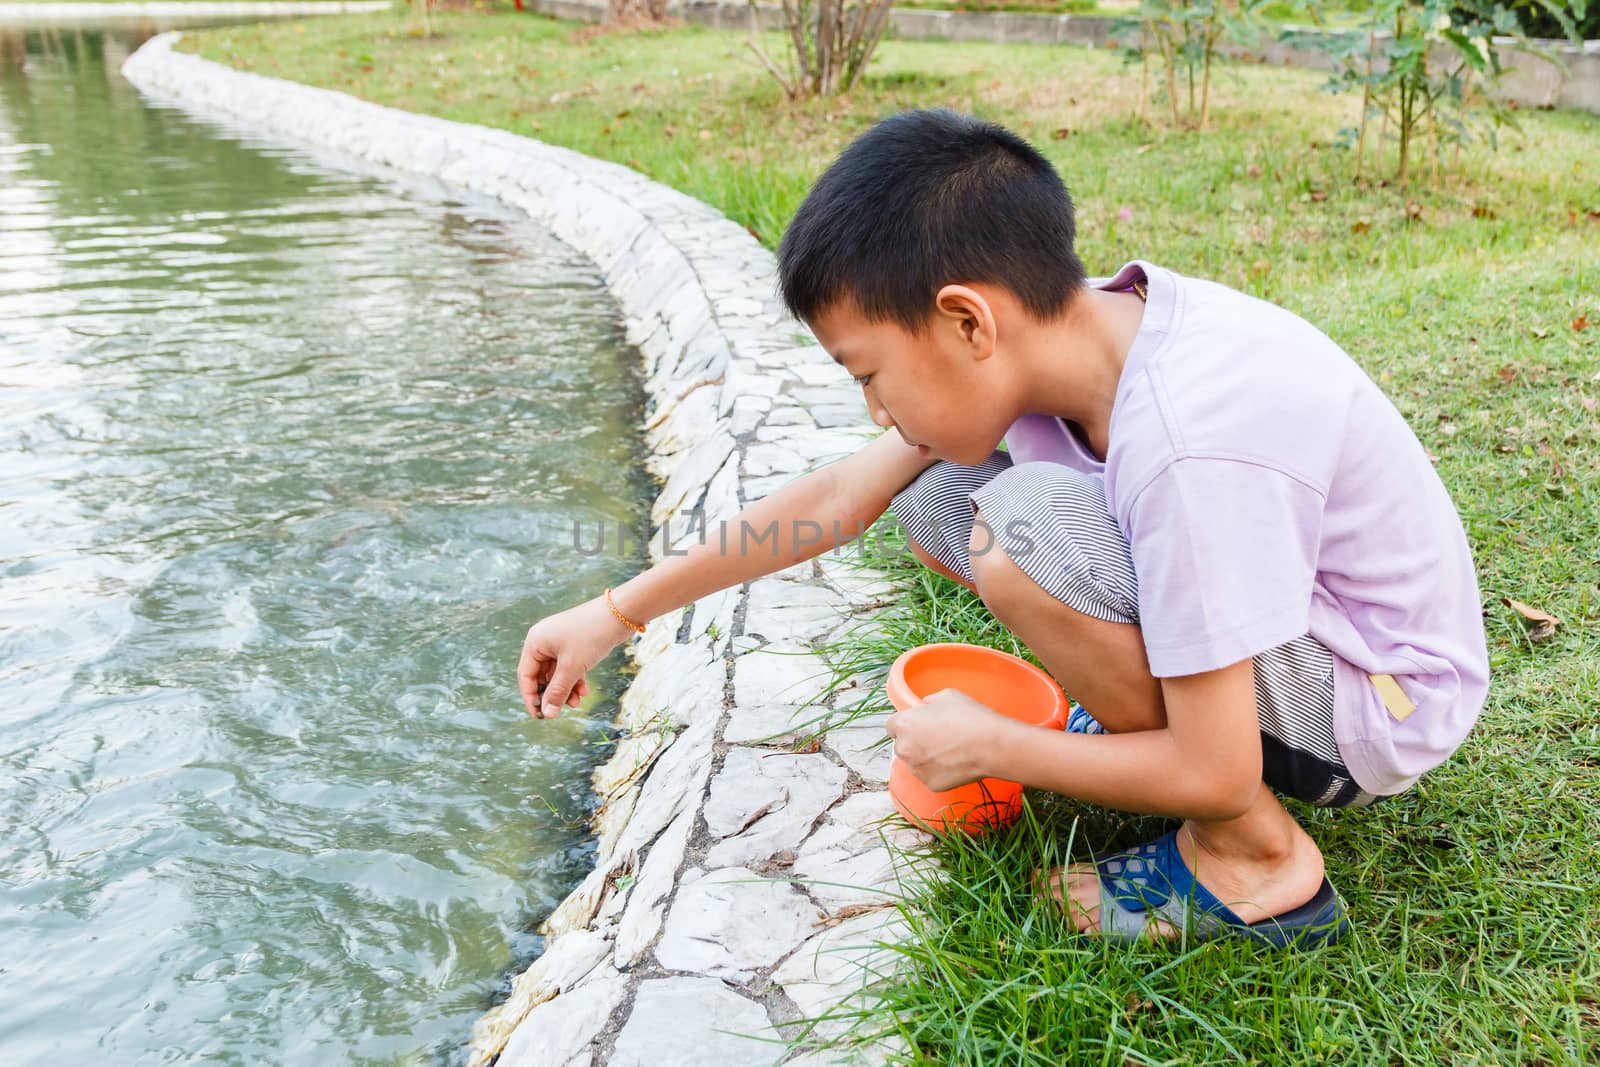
(560, 650)
(945, 741)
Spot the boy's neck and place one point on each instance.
(1074, 363)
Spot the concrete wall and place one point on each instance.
(1534, 82)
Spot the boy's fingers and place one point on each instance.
(557, 692)
(527, 666)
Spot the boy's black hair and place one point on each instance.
(924, 199)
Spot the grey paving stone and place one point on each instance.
(773, 725)
(761, 460)
(674, 682)
(847, 861)
(565, 963)
(779, 674)
(764, 802)
(840, 415)
(642, 919)
(559, 1030)
(676, 782)
(834, 967)
(791, 613)
(859, 747)
(693, 1022)
(731, 923)
(686, 483)
(790, 415)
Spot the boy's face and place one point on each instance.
(939, 388)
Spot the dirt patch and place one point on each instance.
(633, 24)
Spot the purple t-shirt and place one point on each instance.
(1269, 489)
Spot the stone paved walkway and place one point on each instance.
(741, 884)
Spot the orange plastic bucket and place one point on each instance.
(1011, 686)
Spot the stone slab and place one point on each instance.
(731, 923)
(691, 1022)
(560, 1030)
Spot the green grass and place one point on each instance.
(1474, 895)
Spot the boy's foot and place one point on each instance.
(1256, 879)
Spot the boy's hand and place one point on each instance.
(946, 740)
(560, 650)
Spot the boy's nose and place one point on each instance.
(879, 413)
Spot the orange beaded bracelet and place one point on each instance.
(636, 627)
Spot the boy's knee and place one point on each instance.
(934, 564)
(986, 556)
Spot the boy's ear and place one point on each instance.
(965, 310)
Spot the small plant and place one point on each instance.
(1186, 34)
(1428, 73)
(830, 43)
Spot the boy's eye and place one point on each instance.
(863, 379)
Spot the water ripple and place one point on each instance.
(283, 458)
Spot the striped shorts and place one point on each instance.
(1077, 553)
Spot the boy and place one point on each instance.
(1210, 527)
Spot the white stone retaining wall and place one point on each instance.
(740, 883)
(1534, 81)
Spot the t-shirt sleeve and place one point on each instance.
(1226, 554)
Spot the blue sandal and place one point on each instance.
(1151, 881)
(1080, 721)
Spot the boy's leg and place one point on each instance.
(1261, 864)
(929, 561)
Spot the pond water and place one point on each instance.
(289, 461)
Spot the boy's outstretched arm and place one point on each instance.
(847, 496)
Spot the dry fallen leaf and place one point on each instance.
(1580, 323)
(849, 911)
(1136, 1006)
(1060, 133)
(1507, 374)
(1541, 626)
(1588, 403)
(1360, 226)
(777, 803)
